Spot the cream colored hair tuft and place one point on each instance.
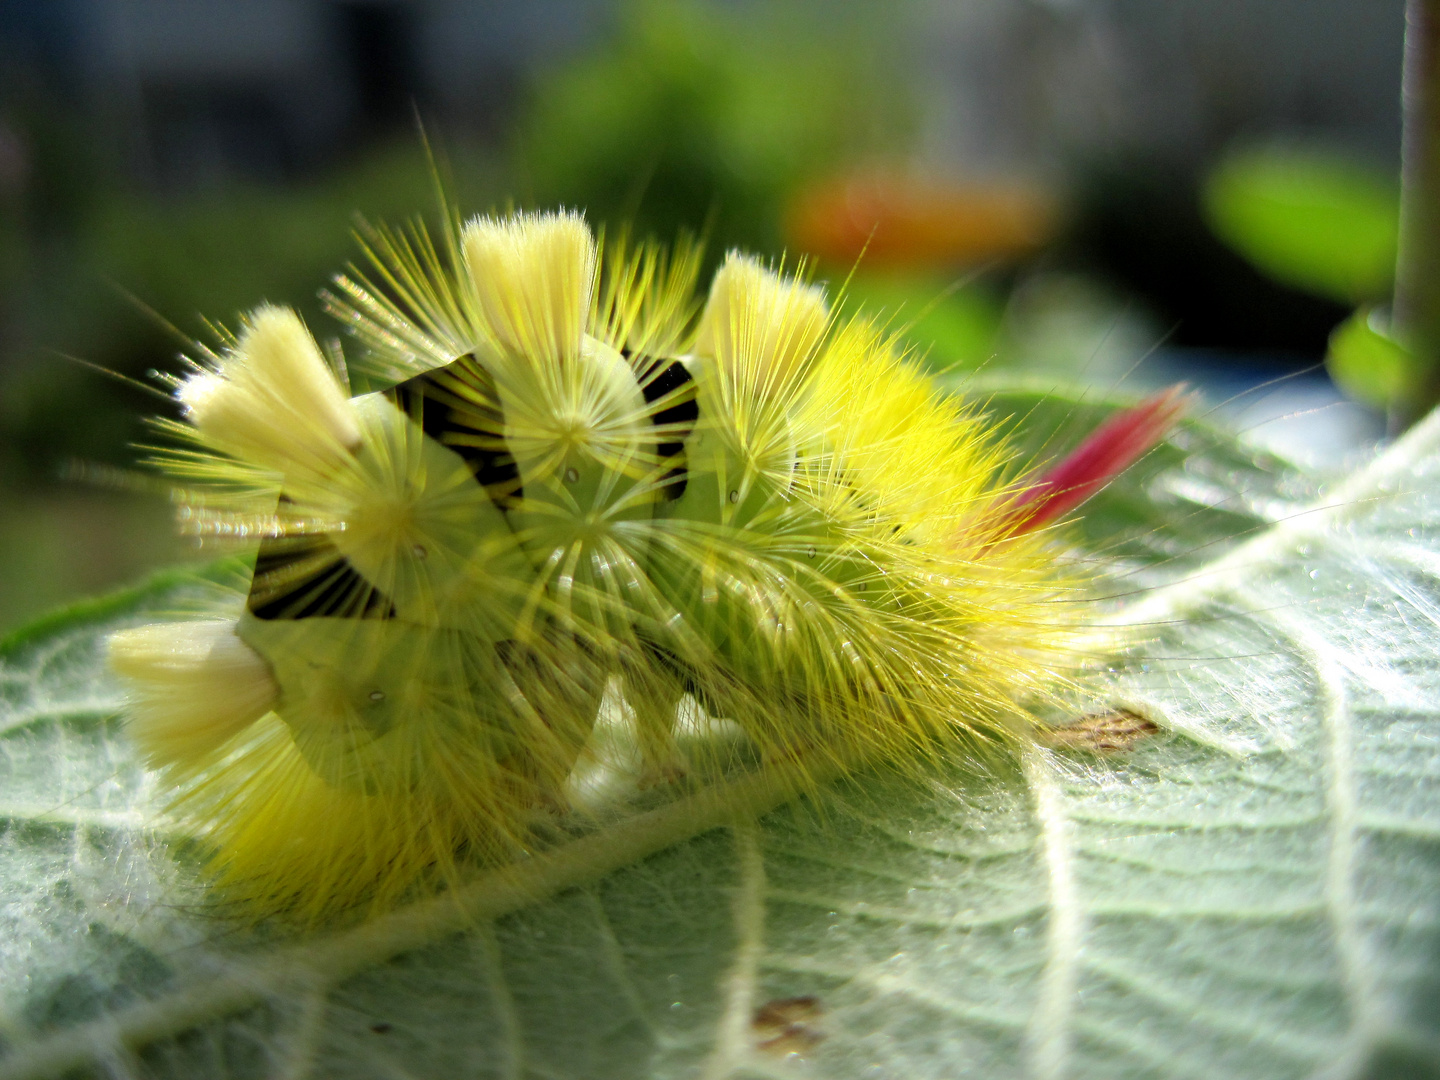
(274, 400)
(193, 687)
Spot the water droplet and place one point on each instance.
(377, 695)
(734, 496)
(861, 587)
(571, 475)
(810, 551)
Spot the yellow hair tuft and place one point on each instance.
(762, 328)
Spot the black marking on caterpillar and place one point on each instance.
(674, 665)
(309, 581)
(661, 381)
(456, 406)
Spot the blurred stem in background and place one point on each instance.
(1417, 285)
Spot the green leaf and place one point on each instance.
(1313, 220)
(1250, 892)
(1367, 363)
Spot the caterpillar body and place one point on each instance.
(580, 486)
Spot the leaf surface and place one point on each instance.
(1250, 892)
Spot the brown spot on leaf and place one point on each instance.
(788, 1025)
(1111, 732)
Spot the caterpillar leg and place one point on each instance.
(654, 687)
(555, 687)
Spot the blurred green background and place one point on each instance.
(1105, 191)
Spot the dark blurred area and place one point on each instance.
(1024, 175)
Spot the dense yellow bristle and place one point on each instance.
(647, 300)
(923, 460)
(799, 537)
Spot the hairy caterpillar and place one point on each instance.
(578, 484)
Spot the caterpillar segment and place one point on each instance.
(573, 489)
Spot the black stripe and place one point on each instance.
(456, 406)
(335, 588)
(658, 382)
(683, 411)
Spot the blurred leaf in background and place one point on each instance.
(1316, 220)
(1065, 327)
(1368, 362)
(1324, 222)
(210, 255)
(699, 112)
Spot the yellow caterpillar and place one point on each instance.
(572, 492)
